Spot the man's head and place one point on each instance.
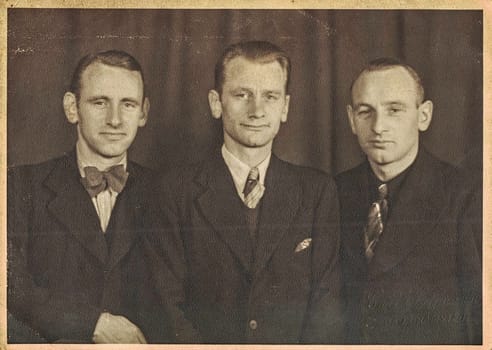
(250, 95)
(107, 102)
(387, 112)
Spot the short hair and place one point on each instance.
(384, 63)
(114, 58)
(256, 51)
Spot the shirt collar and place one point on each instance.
(394, 184)
(84, 160)
(240, 170)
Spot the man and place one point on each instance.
(258, 236)
(77, 224)
(411, 268)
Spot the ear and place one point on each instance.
(350, 115)
(285, 111)
(215, 104)
(145, 112)
(425, 115)
(70, 107)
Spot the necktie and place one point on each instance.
(253, 189)
(375, 221)
(96, 181)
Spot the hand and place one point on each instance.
(111, 329)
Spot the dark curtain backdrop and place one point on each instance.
(178, 50)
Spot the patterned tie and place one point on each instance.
(253, 189)
(96, 181)
(375, 221)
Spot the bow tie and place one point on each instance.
(96, 181)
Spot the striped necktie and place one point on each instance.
(253, 189)
(375, 221)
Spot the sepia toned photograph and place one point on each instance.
(244, 176)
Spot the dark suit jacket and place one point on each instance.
(61, 272)
(275, 295)
(423, 285)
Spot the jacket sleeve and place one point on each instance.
(166, 257)
(47, 315)
(325, 321)
(469, 260)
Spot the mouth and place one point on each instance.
(255, 127)
(379, 143)
(113, 136)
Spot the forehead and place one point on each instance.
(99, 78)
(240, 71)
(392, 84)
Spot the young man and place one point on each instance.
(411, 267)
(77, 224)
(258, 236)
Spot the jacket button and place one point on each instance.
(253, 324)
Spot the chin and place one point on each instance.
(112, 153)
(378, 158)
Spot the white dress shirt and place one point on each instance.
(104, 202)
(240, 170)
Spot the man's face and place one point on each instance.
(110, 109)
(253, 103)
(386, 117)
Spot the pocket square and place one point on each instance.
(303, 245)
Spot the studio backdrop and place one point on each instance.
(178, 50)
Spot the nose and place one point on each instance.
(378, 123)
(114, 117)
(257, 108)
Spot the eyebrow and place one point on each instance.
(130, 99)
(243, 88)
(359, 105)
(106, 98)
(97, 97)
(389, 103)
(397, 102)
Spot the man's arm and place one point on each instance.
(52, 315)
(469, 259)
(165, 254)
(56, 317)
(325, 323)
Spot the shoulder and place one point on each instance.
(310, 179)
(183, 174)
(437, 171)
(142, 174)
(352, 177)
(37, 171)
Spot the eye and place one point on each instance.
(99, 103)
(395, 110)
(272, 97)
(363, 113)
(129, 105)
(241, 95)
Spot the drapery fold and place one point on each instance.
(178, 50)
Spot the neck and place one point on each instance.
(96, 160)
(252, 156)
(387, 172)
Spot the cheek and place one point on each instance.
(362, 130)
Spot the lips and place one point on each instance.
(113, 136)
(255, 127)
(379, 143)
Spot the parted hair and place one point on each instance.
(256, 51)
(113, 58)
(384, 63)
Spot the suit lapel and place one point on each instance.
(73, 207)
(124, 218)
(223, 209)
(417, 209)
(280, 204)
